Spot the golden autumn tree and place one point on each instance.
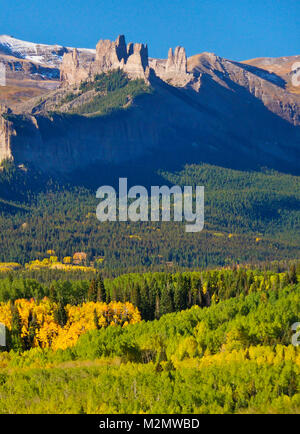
(40, 325)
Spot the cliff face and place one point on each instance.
(6, 133)
(59, 145)
(170, 125)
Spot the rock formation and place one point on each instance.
(174, 69)
(177, 62)
(109, 54)
(6, 133)
(132, 58)
(71, 70)
(137, 61)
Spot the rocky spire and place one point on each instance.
(177, 62)
(70, 70)
(137, 62)
(108, 54)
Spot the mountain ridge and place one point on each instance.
(203, 108)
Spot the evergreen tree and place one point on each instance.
(145, 307)
(52, 293)
(17, 343)
(180, 294)
(166, 302)
(92, 291)
(96, 319)
(60, 315)
(293, 275)
(32, 327)
(101, 293)
(135, 297)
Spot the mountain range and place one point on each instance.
(162, 112)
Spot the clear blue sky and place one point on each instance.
(236, 29)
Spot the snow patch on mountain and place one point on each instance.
(50, 55)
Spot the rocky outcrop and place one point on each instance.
(174, 69)
(137, 61)
(60, 144)
(81, 64)
(72, 71)
(6, 133)
(132, 58)
(110, 54)
(177, 62)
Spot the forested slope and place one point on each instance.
(249, 217)
(235, 356)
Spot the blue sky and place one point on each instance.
(236, 29)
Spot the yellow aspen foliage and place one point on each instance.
(5, 315)
(9, 266)
(52, 263)
(80, 319)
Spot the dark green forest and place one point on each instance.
(249, 217)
